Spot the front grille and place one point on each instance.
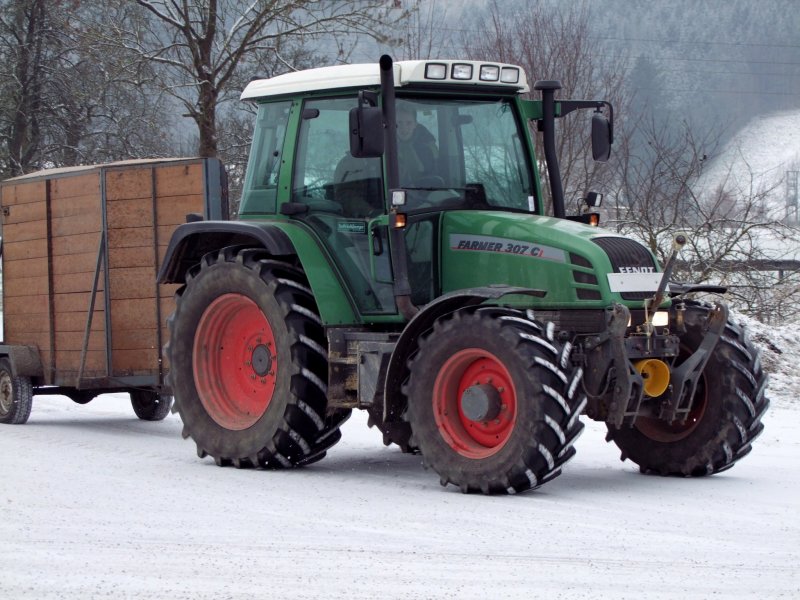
(587, 278)
(583, 278)
(628, 254)
(586, 294)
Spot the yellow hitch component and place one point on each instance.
(655, 373)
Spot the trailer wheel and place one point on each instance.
(493, 402)
(249, 363)
(16, 396)
(150, 405)
(725, 418)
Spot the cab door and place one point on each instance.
(345, 200)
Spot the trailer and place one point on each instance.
(81, 247)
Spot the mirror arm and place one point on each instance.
(567, 106)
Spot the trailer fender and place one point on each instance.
(192, 240)
(394, 403)
(25, 360)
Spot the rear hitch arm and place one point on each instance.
(684, 378)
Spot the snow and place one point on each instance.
(780, 348)
(756, 159)
(99, 504)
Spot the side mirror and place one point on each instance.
(602, 137)
(366, 131)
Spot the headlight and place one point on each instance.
(509, 75)
(489, 73)
(462, 71)
(435, 71)
(661, 318)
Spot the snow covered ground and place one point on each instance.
(99, 504)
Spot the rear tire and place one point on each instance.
(149, 405)
(16, 396)
(249, 363)
(527, 435)
(726, 415)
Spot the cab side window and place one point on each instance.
(326, 177)
(263, 169)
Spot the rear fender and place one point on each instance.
(191, 241)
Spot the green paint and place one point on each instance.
(484, 248)
(335, 305)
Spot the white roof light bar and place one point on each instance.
(406, 73)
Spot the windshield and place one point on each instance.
(462, 154)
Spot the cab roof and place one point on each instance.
(431, 72)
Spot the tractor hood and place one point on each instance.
(570, 260)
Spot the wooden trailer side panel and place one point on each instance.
(52, 230)
(134, 320)
(27, 307)
(76, 224)
(181, 190)
(144, 207)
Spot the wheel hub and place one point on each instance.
(261, 360)
(475, 403)
(481, 403)
(6, 394)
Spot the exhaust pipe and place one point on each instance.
(402, 286)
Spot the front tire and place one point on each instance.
(16, 396)
(725, 417)
(493, 402)
(249, 365)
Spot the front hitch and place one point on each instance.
(628, 385)
(684, 378)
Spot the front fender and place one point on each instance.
(396, 372)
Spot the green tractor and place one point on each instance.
(392, 254)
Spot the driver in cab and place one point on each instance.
(416, 148)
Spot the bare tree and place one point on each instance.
(426, 32)
(64, 98)
(554, 41)
(200, 44)
(24, 31)
(733, 224)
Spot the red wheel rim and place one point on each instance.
(235, 362)
(466, 368)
